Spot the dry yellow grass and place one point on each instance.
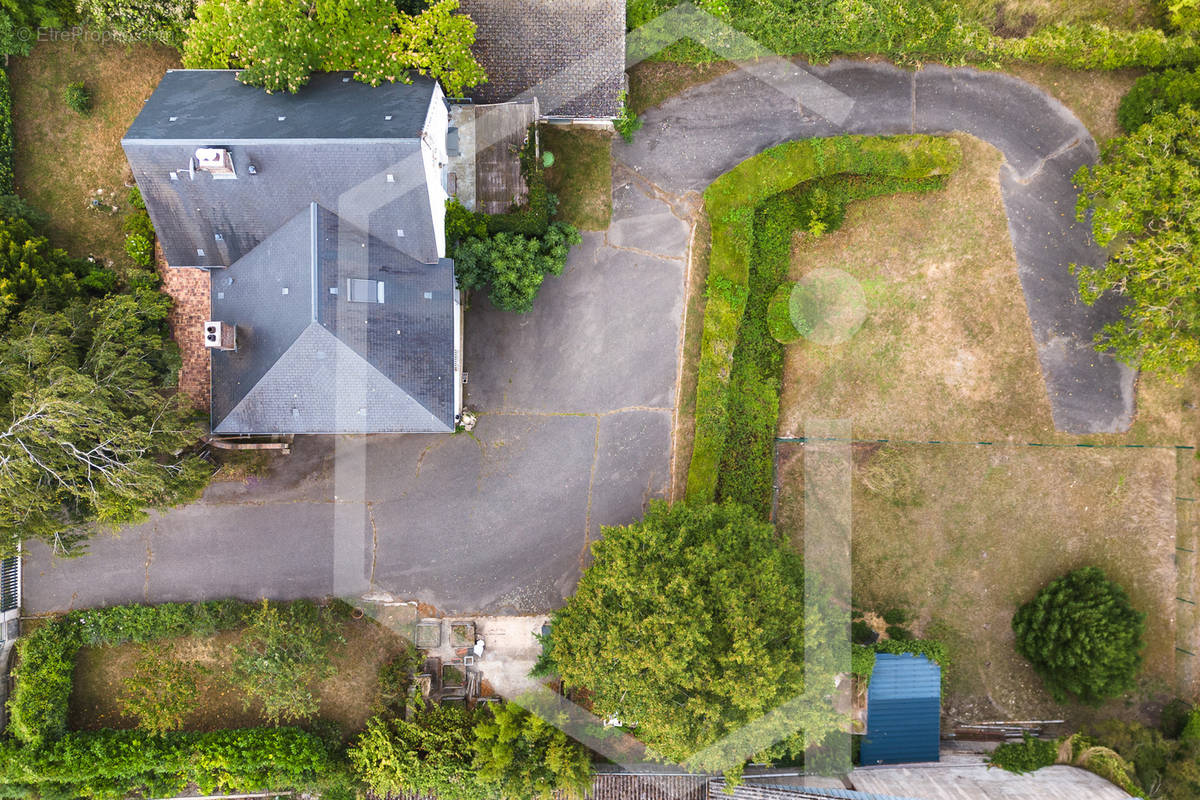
(64, 158)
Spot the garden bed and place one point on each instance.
(345, 698)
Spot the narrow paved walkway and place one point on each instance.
(691, 139)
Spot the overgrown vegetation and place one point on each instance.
(529, 758)
(1082, 635)
(1133, 201)
(163, 21)
(281, 656)
(754, 209)
(1158, 93)
(581, 177)
(688, 624)
(511, 254)
(913, 31)
(279, 44)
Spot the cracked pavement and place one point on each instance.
(576, 403)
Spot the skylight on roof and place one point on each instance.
(362, 290)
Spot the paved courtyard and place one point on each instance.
(576, 403)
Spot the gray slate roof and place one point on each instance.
(311, 361)
(569, 53)
(338, 191)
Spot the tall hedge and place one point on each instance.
(7, 143)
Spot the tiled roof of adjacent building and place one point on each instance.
(569, 53)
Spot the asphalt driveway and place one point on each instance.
(577, 397)
(691, 139)
(576, 400)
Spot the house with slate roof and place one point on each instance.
(320, 218)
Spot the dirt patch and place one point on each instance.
(345, 699)
(64, 159)
(1012, 24)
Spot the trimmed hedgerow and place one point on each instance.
(740, 364)
(7, 142)
(1099, 47)
(116, 764)
(46, 657)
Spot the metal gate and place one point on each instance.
(10, 585)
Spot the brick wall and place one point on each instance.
(189, 289)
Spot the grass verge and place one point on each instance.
(581, 176)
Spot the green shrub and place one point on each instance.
(896, 616)
(1082, 636)
(1158, 93)
(627, 123)
(160, 690)
(862, 661)
(932, 649)
(1028, 755)
(281, 656)
(1175, 716)
(429, 754)
(7, 140)
(78, 98)
(140, 249)
(862, 633)
(513, 266)
(529, 758)
(899, 634)
(44, 669)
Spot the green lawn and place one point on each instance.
(63, 160)
(581, 176)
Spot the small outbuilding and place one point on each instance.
(904, 710)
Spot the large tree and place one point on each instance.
(1143, 200)
(691, 624)
(278, 44)
(529, 758)
(1082, 635)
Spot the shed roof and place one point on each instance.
(904, 708)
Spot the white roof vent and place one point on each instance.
(215, 160)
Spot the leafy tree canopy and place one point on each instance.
(278, 44)
(1141, 199)
(1082, 635)
(691, 624)
(528, 758)
(513, 266)
(430, 754)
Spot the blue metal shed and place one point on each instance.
(904, 710)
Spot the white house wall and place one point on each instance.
(434, 157)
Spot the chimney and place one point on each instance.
(220, 335)
(216, 161)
